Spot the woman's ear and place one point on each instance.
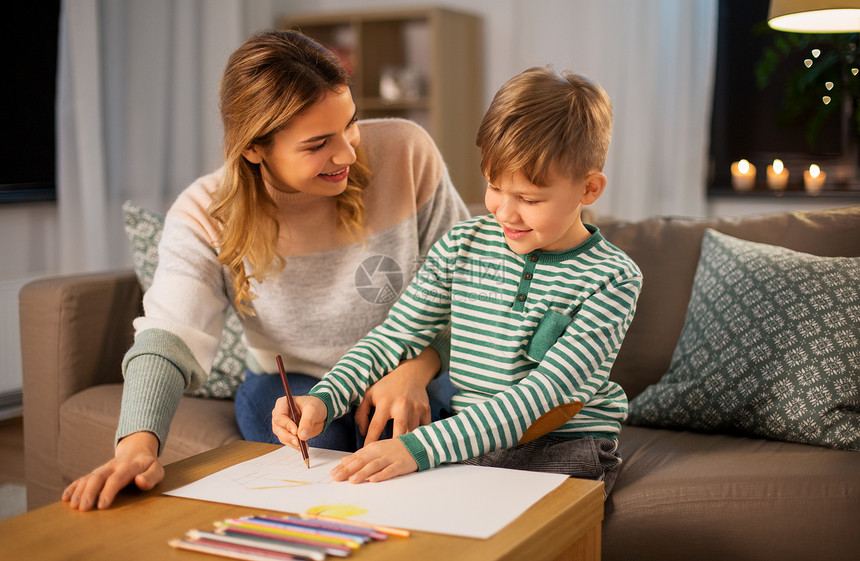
(595, 183)
(253, 154)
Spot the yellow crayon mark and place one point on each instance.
(337, 510)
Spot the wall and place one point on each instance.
(30, 243)
(28, 234)
(517, 34)
(502, 36)
(653, 57)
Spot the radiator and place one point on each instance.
(11, 373)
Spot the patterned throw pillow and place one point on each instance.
(143, 229)
(770, 348)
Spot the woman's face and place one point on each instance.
(313, 152)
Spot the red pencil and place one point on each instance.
(303, 446)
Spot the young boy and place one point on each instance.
(538, 304)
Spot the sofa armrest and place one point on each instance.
(74, 332)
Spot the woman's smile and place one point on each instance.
(335, 177)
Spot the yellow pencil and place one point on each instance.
(384, 529)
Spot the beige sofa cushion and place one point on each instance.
(88, 424)
(684, 496)
(667, 251)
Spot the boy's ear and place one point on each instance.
(253, 154)
(595, 183)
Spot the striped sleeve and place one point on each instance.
(575, 368)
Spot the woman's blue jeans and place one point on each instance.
(256, 398)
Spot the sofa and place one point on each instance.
(718, 490)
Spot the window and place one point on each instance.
(752, 123)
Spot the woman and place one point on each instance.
(311, 229)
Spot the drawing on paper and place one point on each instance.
(271, 475)
(273, 480)
(287, 484)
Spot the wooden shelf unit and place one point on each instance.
(446, 49)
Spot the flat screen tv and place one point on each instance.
(28, 51)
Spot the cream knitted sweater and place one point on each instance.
(331, 293)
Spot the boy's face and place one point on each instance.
(533, 217)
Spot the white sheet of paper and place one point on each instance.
(451, 499)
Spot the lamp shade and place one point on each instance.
(815, 16)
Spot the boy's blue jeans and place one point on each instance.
(256, 398)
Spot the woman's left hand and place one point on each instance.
(376, 462)
(400, 395)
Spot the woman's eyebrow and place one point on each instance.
(328, 135)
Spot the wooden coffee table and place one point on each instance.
(564, 525)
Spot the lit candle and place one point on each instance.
(813, 179)
(777, 175)
(743, 175)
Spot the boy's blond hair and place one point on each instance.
(543, 120)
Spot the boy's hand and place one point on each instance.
(375, 462)
(135, 459)
(312, 415)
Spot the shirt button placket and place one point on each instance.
(525, 281)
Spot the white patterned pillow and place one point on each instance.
(770, 347)
(143, 228)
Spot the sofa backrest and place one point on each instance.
(667, 252)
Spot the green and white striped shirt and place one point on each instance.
(529, 334)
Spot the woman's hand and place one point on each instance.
(312, 415)
(400, 395)
(135, 459)
(376, 462)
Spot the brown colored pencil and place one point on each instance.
(293, 413)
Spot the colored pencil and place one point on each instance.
(327, 525)
(251, 533)
(268, 537)
(314, 554)
(361, 538)
(352, 544)
(400, 532)
(232, 552)
(303, 446)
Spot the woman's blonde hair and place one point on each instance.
(270, 78)
(543, 120)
